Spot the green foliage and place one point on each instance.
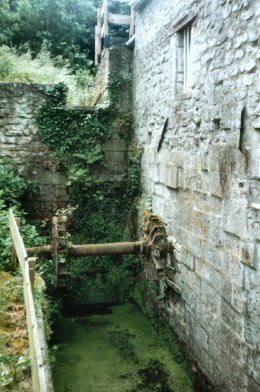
(61, 128)
(44, 69)
(103, 279)
(75, 138)
(13, 188)
(67, 26)
(103, 209)
(134, 170)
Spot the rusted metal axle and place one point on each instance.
(154, 245)
(117, 248)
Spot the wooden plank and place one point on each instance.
(14, 255)
(98, 35)
(119, 19)
(99, 18)
(103, 31)
(105, 25)
(17, 239)
(41, 376)
(32, 263)
(41, 382)
(173, 285)
(96, 45)
(102, 11)
(132, 23)
(183, 22)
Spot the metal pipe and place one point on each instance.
(117, 248)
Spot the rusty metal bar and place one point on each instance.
(40, 250)
(117, 248)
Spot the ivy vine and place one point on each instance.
(75, 139)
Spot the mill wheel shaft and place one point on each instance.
(116, 248)
(154, 245)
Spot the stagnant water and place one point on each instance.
(117, 351)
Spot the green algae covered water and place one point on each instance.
(115, 352)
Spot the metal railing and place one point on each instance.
(41, 374)
(104, 18)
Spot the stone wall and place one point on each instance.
(116, 63)
(20, 144)
(201, 172)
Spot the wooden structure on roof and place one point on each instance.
(104, 19)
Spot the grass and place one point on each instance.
(14, 346)
(43, 69)
(117, 352)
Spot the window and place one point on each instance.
(187, 60)
(182, 59)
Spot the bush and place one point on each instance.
(13, 187)
(44, 69)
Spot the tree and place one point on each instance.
(65, 26)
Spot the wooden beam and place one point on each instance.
(102, 11)
(31, 264)
(119, 19)
(98, 35)
(96, 45)
(105, 25)
(41, 376)
(132, 23)
(17, 239)
(14, 254)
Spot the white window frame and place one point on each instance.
(183, 54)
(187, 58)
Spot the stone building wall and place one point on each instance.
(20, 144)
(201, 171)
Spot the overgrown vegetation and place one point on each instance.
(76, 142)
(14, 348)
(44, 69)
(52, 41)
(66, 26)
(13, 188)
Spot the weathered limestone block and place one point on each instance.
(19, 143)
(204, 181)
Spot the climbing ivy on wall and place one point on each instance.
(76, 139)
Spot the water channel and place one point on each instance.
(115, 350)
